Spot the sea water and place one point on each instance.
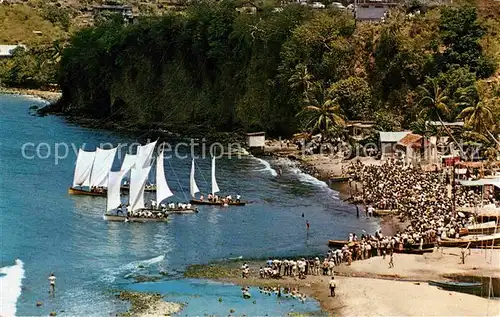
(48, 230)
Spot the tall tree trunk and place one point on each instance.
(451, 135)
(492, 136)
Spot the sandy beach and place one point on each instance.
(370, 288)
(49, 96)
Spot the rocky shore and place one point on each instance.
(148, 305)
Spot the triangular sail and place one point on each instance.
(162, 189)
(144, 155)
(128, 161)
(215, 187)
(193, 188)
(114, 181)
(137, 184)
(83, 168)
(102, 165)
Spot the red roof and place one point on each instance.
(413, 140)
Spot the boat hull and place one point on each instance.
(133, 219)
(212, 203)
(82, 192)
(178, 211)
(147, 189)
(414, 251)
(480, 241)
(472, 288)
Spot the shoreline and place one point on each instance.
(48, 96)
(359, 285)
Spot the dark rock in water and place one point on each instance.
(220, 299)
(53, 313)
(232, 310)
(34, 107)
(164, 273)
(38, 304)
(140, 266)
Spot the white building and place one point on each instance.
(256, 141)
(7, 50)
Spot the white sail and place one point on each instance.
(114, 182)
(102, 165)
(215, 188)
(193, 188)
(137, 184)
(144, 155)
(83, 168)
(162, 189)
(128, 162)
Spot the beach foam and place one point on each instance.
(130, 268)
(10, 287)
(267, 167)
(306, 178)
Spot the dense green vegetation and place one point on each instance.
(276, 71)
(281, 72)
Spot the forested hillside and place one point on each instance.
(287, 70)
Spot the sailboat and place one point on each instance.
(215, 189)
(163, 192)
(130, 160)
(91, 172)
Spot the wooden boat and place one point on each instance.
(339, 179)
(472, 241)
(216, 203)
(474, 287)
(414, 251)
(339, 243)
(79, 191)
(109, 217)
(384, 212)
(193, 188)
(91, 170)
(191, 210)
(490, 227)
(126, 188)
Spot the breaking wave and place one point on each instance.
(10, 287)
(267, 167)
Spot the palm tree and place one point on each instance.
(479, 116)
(301, 80)
(434, 101)
(323, 112)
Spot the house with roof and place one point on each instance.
(388, 142)
(359, 130)
(413, 147)
(7, 50)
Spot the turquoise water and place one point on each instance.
(203, 296)
(51, 231)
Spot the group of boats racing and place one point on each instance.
(93, 177)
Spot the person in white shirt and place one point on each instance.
(333, 285)
(52, 281)
(238, 197)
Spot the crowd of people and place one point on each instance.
(424, 199)
(223, 200)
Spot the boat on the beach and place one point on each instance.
(91, 172)
(472, 241)
(340, 243)
(414, 251)
(193, 188)
(339, 179)
(384, 212)
(490, 227)
(463, 287)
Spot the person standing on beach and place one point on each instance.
(52, 282)
(333, 285)
(391, 261)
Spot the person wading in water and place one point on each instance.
(52, 281)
